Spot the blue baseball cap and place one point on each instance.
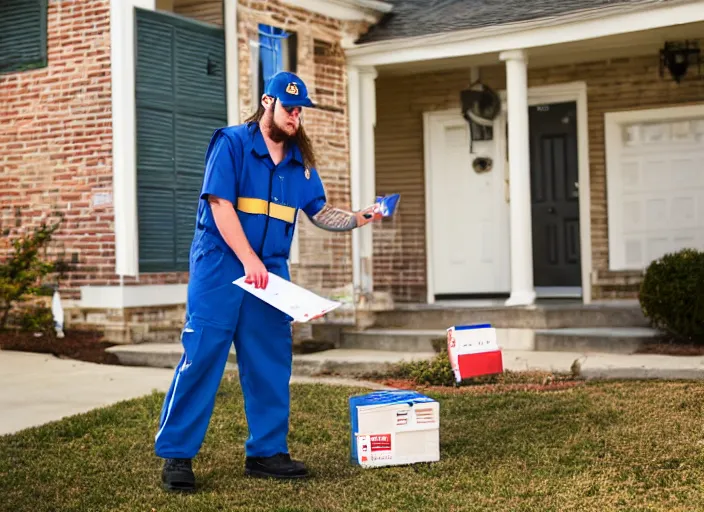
(289, 89)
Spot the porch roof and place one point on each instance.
(616, 27)
(412, 18)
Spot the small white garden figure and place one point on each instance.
(58, 311)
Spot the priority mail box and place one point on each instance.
(391, 428)
(473, 351)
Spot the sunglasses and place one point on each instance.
(292, 109)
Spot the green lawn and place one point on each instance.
(616, 446)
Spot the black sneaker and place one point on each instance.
(177, 475)
(277, 466)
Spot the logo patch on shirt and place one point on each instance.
(307, 173)
(292, 88)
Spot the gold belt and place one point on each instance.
(262, 207)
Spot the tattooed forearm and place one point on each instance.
(334, 219)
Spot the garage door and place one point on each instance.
(655, 183)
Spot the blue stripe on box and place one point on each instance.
(469, 327)
(378, 398)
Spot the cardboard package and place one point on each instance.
(473, 351)
(391, 428)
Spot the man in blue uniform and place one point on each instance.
(258, 176)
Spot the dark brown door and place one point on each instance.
(555, 195)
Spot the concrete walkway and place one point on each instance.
(595, 365)
(38, 388)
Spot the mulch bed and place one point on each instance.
(672, 348)
(80, 345)
(480, 389)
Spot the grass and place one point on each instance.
(608, 446)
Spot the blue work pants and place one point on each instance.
(263, 343)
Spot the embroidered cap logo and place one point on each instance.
(292, 88)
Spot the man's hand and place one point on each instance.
(366, 216)
(256, 273)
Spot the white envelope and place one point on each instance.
(300, 304)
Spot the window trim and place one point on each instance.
(124, 144)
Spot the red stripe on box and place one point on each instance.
(484, 363)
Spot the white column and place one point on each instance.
(232, 63)
(124, 144)
(522, 289)
(362, 119)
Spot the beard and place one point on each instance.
(276, 132)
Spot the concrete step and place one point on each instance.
(350, 363)
(429, 317)
(614, 340)
(395, 340)
(155, 355)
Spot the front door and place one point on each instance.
(468, 221)
(554, 174)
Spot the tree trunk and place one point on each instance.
(5, 314)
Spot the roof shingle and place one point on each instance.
(411, 18)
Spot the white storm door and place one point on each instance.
(467, 218)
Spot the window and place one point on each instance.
(23, 34)
(275, 50)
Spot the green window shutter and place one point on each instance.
(155, 190)
(201, 109)
(193, 135)
(200, 71)
(181, 101)
(23, 34)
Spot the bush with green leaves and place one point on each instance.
(37, 319)
(672, 294)
(22, 272)
(435, 372)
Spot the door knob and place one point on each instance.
(551, 210)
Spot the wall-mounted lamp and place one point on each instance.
(480, 106)
(677, 57)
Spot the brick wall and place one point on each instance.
(325, 260)
(399, 248)
(56, 139)
(56, 145)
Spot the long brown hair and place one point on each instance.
(301, 139)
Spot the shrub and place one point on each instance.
(436, 372)
(672, 294)
(37, 319)
(21, 273)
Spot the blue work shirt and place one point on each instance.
(267, 197)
